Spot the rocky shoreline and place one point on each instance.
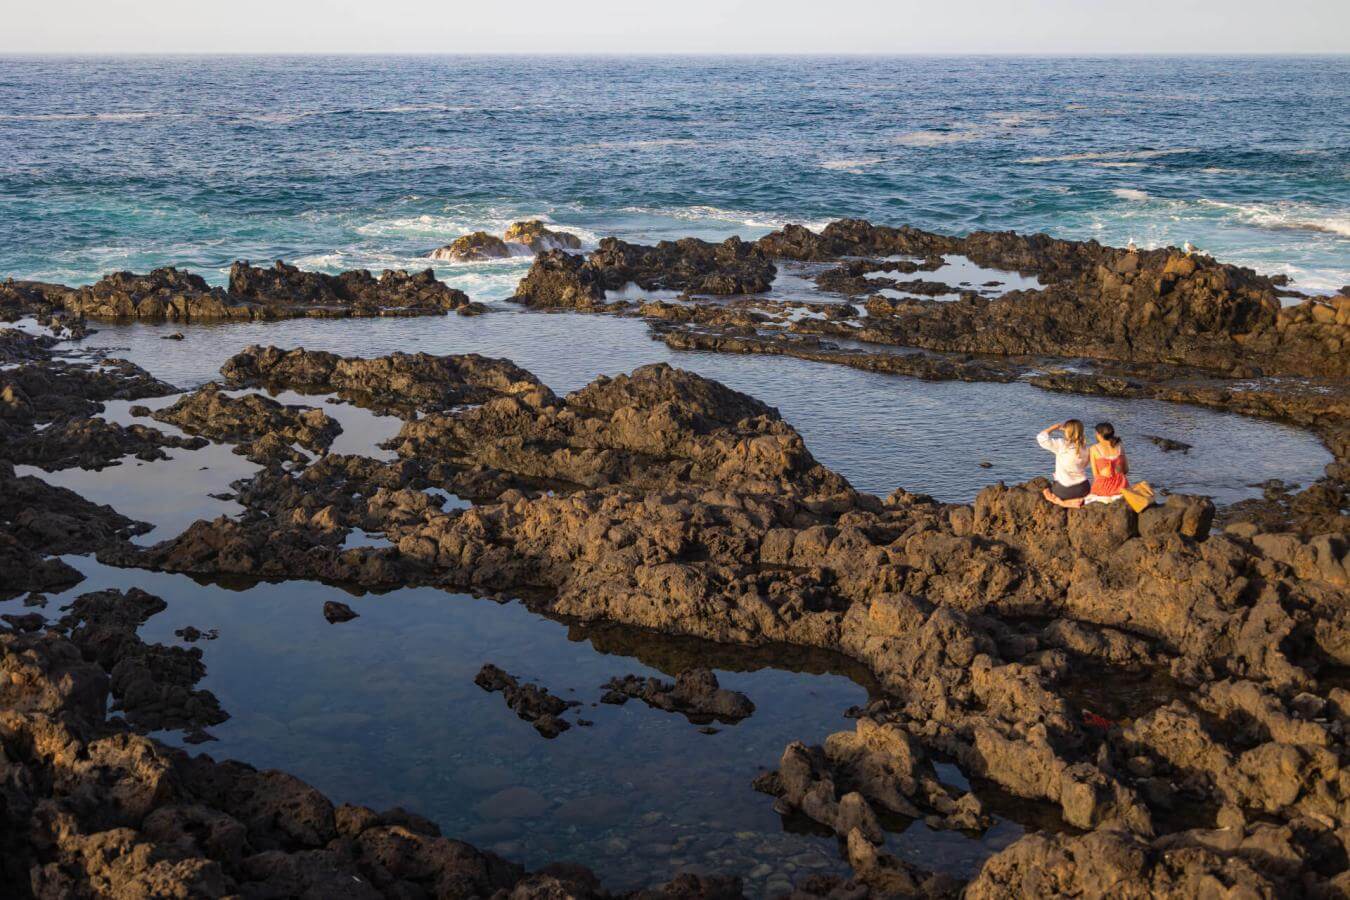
(667, 501)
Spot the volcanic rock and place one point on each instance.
(695, 693)
(335, 612)
(530, 702)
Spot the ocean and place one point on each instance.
(341, 162)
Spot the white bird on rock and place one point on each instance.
(1189, 248)
(1130, 246)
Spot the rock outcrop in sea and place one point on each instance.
(520, 238)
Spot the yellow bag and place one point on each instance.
(1139, 495)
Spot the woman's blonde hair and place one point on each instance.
(1073, 433)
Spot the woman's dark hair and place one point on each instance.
(1107, 432)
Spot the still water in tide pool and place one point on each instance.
(383, 711)
(880, 431)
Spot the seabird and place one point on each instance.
(1130, 246)
(1188, 247)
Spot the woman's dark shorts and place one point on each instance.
(1072, 492)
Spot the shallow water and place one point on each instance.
(881, 431)
(961, 274)
(383, 711)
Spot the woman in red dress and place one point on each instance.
(1109, 466)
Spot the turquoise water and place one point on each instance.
(336, 162)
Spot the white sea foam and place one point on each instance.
(929, 138)
(851, 166)
(1285, 217)
(647, 144)
(1019, 118)
(703, 213)
(419, 108)
(1114, 154)
(997, 124)
(1118, 165)
(433, 227)
(80, 117)
(1131, 194)
(276, 117)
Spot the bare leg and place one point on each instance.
(1067, 504)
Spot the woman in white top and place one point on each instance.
(1071, 483)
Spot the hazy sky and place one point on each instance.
(680, 26)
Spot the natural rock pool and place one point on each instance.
(880, 431)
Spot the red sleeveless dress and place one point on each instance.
(1108, 475)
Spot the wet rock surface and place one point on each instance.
(531, 702)
(93, 444)
(532, 236)
(695, 693)
(356, 293)
(560, 279)
(400, 381)
(151, 684)
(253, 294)
(264, 430)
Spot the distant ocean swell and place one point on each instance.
(139, 162)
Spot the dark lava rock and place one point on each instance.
(695, 693)
(335, 612)
(537, 236)
(95, 810)
(532, 236)
(152, 683)
(530, 702)
(401, 381)
(1168, 445)
(472, 247)
(264, 428)
(25, 622)
(355, 292)
(92, 443)
(560, 279)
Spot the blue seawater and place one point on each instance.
(336, 162)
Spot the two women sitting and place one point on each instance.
(1074, 459)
